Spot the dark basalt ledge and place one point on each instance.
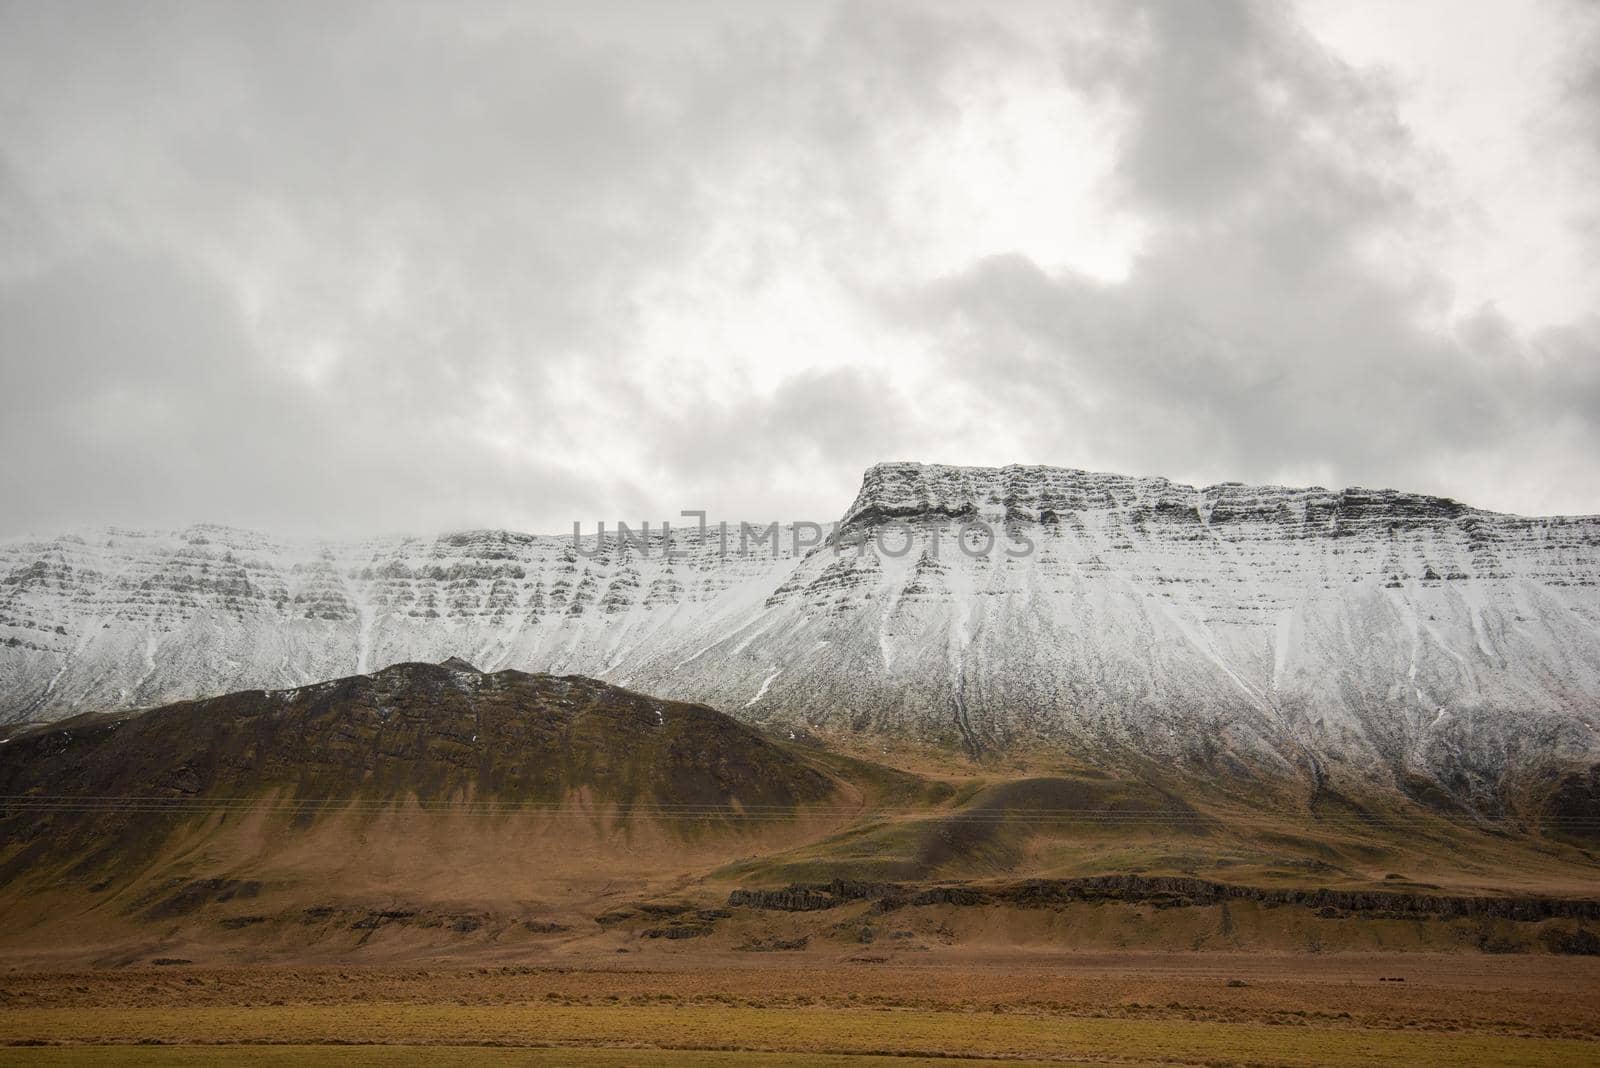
(868, 516)
(934, 492)
(1162, 892)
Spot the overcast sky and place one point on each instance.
(346, 268)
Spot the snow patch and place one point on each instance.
(765, 683)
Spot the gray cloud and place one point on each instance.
(153, 407)
(1258, 335)
(378, 267)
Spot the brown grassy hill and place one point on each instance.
(433, 809)
(426, 730)
(422, 783)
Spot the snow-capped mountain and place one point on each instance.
(1385, 634)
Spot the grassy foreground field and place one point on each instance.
(384, 1057)
(1154, 1009)
(793, 1037)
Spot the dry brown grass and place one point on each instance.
(470, 1057)
(1138, 1009)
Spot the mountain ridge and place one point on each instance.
(886, 479)
(1369, 634)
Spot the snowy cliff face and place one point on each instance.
(1393, 636)
(133, 618)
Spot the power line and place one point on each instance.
(116, 804)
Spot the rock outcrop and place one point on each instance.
(1165, 892)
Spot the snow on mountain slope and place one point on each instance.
(131, 618)
(1385, 634)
